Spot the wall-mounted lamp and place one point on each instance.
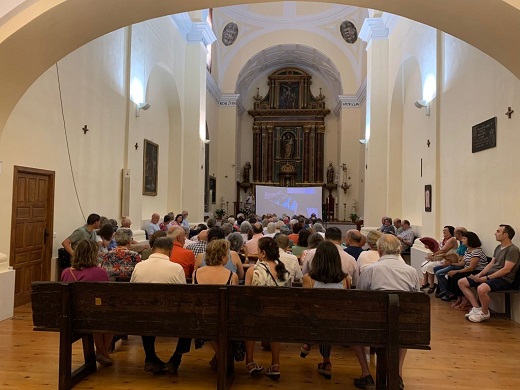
(345, 185)
(139, 107)
(363, 141)
(206, 141)
(423, 104)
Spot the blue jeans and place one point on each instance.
(440, 273)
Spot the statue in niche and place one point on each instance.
(330, 173)
(288, 145)
(245, 172)
(230, 34)
(348, 32)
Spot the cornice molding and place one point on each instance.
(194, 31)
(351, 101)
(223, 99)
(373, 28)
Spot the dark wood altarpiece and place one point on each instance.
(289, 132)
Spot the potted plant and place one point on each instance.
(354, 217)
(219, 213)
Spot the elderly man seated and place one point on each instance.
(406, 236)
(120, 262)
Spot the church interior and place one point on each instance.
(129, 108)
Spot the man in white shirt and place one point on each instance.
(390, 272)
(159, 269)
(348, 263)
(290, 261)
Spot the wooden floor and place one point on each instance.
(463, 356)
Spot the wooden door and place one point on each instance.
(31, 229)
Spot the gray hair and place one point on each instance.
(123, 236)
(245, 227)
(231, 220)
(211, 222)
(228, 228)
(318, 228)
(388, 244)
(164, 243)
(236, 241)
(271, 228)
(284, 229)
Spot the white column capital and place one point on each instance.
(373, 28)
(194, 31)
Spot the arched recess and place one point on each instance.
(166, 124)
(404, 143)
(35, 36)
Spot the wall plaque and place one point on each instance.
(484, 135)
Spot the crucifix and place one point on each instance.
(136, 146)
(428, 143)
(509, 112)
(85, 129)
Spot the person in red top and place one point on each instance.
(180, 255)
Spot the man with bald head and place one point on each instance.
(179, 254)
(252, 244)
(199, 246)
(354, 242)
(153, 226)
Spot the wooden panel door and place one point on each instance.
(31, 229)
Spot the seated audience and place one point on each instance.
(165, 224)
(354, 240)
(269, 271)
(84, 269)
(153, 226)
(179, 254)
(105, 236)
(234, 263)
(200, 244)
(296, 227)
(446, 254)
(159, 269)
(498, 275)
(372, 255)
(246, 230)
(398, 226)
(85, 232)
(291, 262)
(147, 252)
(406, 235)
(474, 261)
(236, 244)
(120, 262)
(348, 263)
(326, 273)
(252, 244)
(318, 228)
(303, 243)
(271, 230)
(215, 273)
(442, 270)
(390, 272)
(387, 227)
(313, 241)
(228, 228)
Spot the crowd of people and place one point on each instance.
(281, 251)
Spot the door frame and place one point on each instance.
(50, 213)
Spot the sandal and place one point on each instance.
(254, 369)
(432, 289)
(425, 286)
(325, 369)
(273, 372)
(305, 351)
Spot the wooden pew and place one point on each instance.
(385, 320)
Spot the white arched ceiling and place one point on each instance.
(276, 57)
(38, 33)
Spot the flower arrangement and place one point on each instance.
(219, 213)
(354, 217)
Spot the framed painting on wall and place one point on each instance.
(150, 168)
(428, 198)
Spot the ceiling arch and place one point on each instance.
(276, 57)
(40, 32)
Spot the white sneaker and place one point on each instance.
(474, 310)
(479, 317)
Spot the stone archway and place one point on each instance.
(34, 36)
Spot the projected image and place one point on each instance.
(289, 200)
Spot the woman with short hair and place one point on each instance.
(84, 268)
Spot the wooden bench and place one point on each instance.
(385, 320)
(514, 290)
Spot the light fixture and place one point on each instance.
(363, 141)
(139, 107)
(206, 141)
(423, 104)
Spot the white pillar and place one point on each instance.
(377, 156)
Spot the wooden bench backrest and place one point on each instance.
(130, 308)
(341, 316)
(261, 313)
